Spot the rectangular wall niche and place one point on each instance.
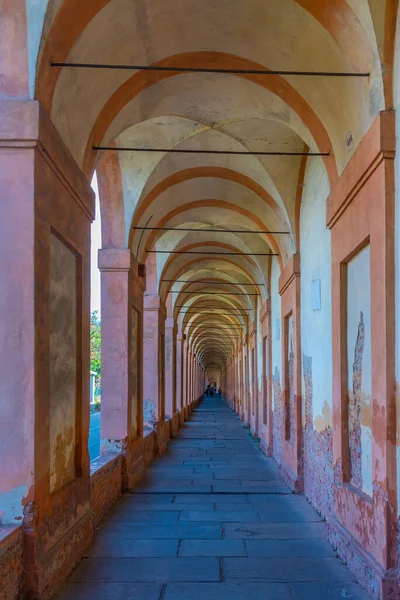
(135, 357)
(63, 363)
(359, 370)
(265, 379)
(289, 387)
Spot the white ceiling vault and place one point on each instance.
(211, 194)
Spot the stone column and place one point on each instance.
(253, 363)
(154, 370)
(185, 368)
(246, 388)
(121, 354)
(170, 375)
(292, 429)
(266, 432)
(47, 207)
(189, 381)
(241, 380)
(179, 378)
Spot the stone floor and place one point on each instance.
(212, 520)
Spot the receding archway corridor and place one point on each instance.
(212, 519)
(239, 161)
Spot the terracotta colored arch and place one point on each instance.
(211, 204)
(74, 16)
(111, 198)
(208, 259)
(215, 280)
(389, 47)
(196, 172)
(274, 83)
(186, 293)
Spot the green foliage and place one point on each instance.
(95, 346)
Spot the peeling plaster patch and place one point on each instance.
(324, 421)
(63, 362)
(277, 415)
(355, 404)
(11, 505)
(318, 450)
(289, 424)
(149, 413)
(359, 370)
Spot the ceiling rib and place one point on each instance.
(121, 67)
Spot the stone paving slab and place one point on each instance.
(212, 548)
(287, 548)
(210, 498)
(286, 569)
(279, 516)
(111, 591)
(220, 515)
(161, 532)
(328, 591)
(212, 520)
(246, 486)
(138, 506)
(116, 547)
(275, 531)
(143, 516)
(246, 590)
(152, 570)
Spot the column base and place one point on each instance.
(295, 482)
(45, 574)
(265, 448)
(181, 417)
(105, 484)
(133, 464)
(162, 436)
(149, 443)
(175, 424)
(380, 583)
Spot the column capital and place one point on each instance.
(153, 302)
(170, 323)
(26, 126)
(117, 260)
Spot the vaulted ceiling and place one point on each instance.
(209, 194)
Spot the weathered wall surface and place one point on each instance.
(135, 366)
(397, 253)
(259, 370)
(11, 562)
(63, 357)
(105, 485)
(316, 338)
(359, 370)
(276, 330)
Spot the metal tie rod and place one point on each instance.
(212, 253)
(194, 151)
(146, 228)
(121, 67)
(213, 314)
(210, 282)
(215, 308)
(212, 293)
